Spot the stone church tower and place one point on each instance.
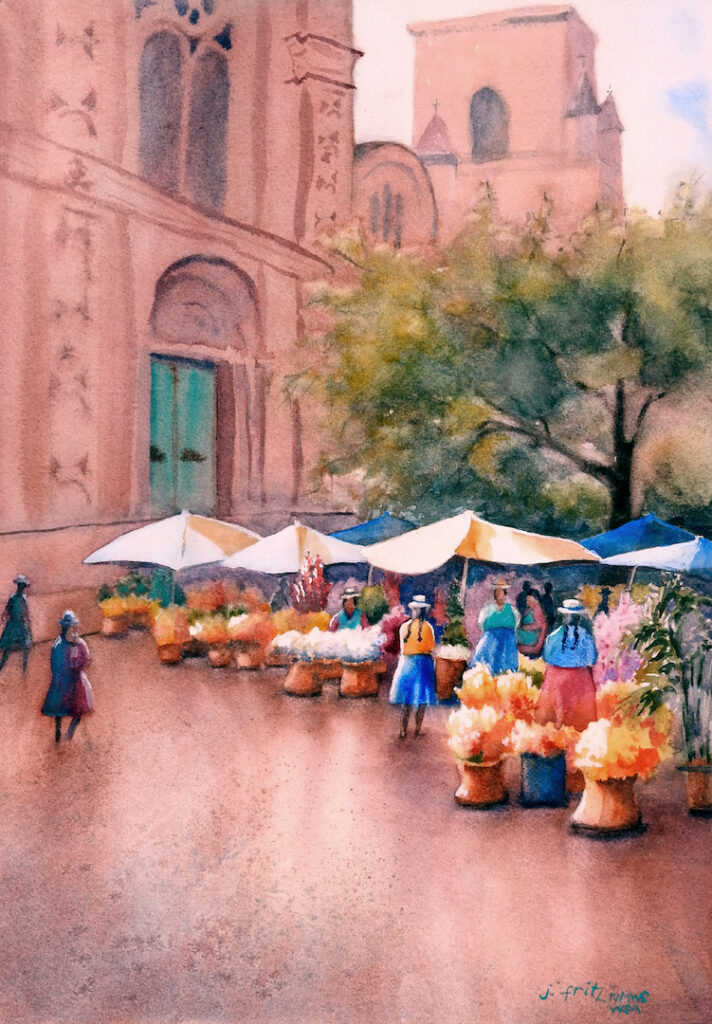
(504, 101)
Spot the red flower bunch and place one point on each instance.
(310, 590)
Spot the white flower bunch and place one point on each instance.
(454, 652)
(348, 645)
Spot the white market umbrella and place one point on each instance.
(693, 556)
(284, 552)
(467, 535)
(178, 542)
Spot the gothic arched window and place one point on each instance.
(206, 147)
(161, 99)
(489, 124)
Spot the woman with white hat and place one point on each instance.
(70, 692)
(498, 621)
(413, 683)
(350, 616)
(568, 693)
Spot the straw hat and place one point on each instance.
(501, 584)
(419, 601)
(350, 592)
(21, 579)
(572, 607)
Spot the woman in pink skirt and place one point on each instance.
(568, 693)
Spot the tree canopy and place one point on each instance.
(535, 385)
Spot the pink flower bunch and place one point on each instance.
(616, 663)
(310, 590)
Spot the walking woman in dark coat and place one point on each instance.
(17, 635)
(70, 692)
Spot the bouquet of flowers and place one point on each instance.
(625, 744)
(544, 740)
(170, 626)
(210, 629)
(533, 668)
(478, 734)
(254, 628)
(512, 693)
(310, 591)
(616, 658)
(346, 645)
(454, 652)
(287, 619)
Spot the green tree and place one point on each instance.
(504, 374)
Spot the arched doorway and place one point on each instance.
(205, 327)
(489, 125)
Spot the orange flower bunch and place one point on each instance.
(287, 619)
(625, 744)
(211, 629)
(256, 628)
(479, 734)
(170, 626)
(512, 693)
(545, 740)
(222, 593)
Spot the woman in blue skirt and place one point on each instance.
(413, 683)
(498, 645)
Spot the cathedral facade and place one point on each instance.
(165, 166)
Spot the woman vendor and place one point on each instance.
(413, 684)
(532, 628)
(349, 617)
(498, 645)
(568, 693)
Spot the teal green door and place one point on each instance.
(182, 460)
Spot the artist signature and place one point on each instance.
(617, 1000)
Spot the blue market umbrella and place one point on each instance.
(693, 556)
(375, 530)
(638, 534)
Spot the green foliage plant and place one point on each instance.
(373, 603)
(454, 632)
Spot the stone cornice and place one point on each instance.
(322, 59)
(35, 160)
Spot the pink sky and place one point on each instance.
(655, 55)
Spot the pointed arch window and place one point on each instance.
(489, 126)
(184, 105)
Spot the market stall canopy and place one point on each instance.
(429, 547)
(285, 551)
(647, 532)
(178, 542)
(375, 530)
(693, 556)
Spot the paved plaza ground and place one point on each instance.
(208, 849)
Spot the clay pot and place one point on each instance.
(250, 655)
(115, 626)
(381, 668)
(302, 680)
(608, 806)
(359, 680)
(698, 782)
(575, 781)
(329, 668)
(277, 661)
(169, 654)
(220, 655)
(481, 785)
(448, 673)
(543, 780)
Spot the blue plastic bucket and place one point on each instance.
(543, 780)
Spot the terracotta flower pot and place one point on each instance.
(381, 668)
(220, 655)
(139, 620)
(328, 668)
(359, 680)
(115, 626)
(302, 680)
(608, 806)
(250, 655)
(169, 654)
(575, 781)
(273, 660)
(448, 673)
(698, 782)
(481, 785)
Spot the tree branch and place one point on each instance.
(643, 410)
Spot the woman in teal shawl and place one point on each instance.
(498, 621)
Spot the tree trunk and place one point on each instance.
(621, 480)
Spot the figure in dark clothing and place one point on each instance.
(17, 635)
(70, 692)
(548, 605)
(521, 598)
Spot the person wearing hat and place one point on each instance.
(70, 692)
(349, 617)
(17, 634)
(498, 621)
(413, 683)
(568, 693)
